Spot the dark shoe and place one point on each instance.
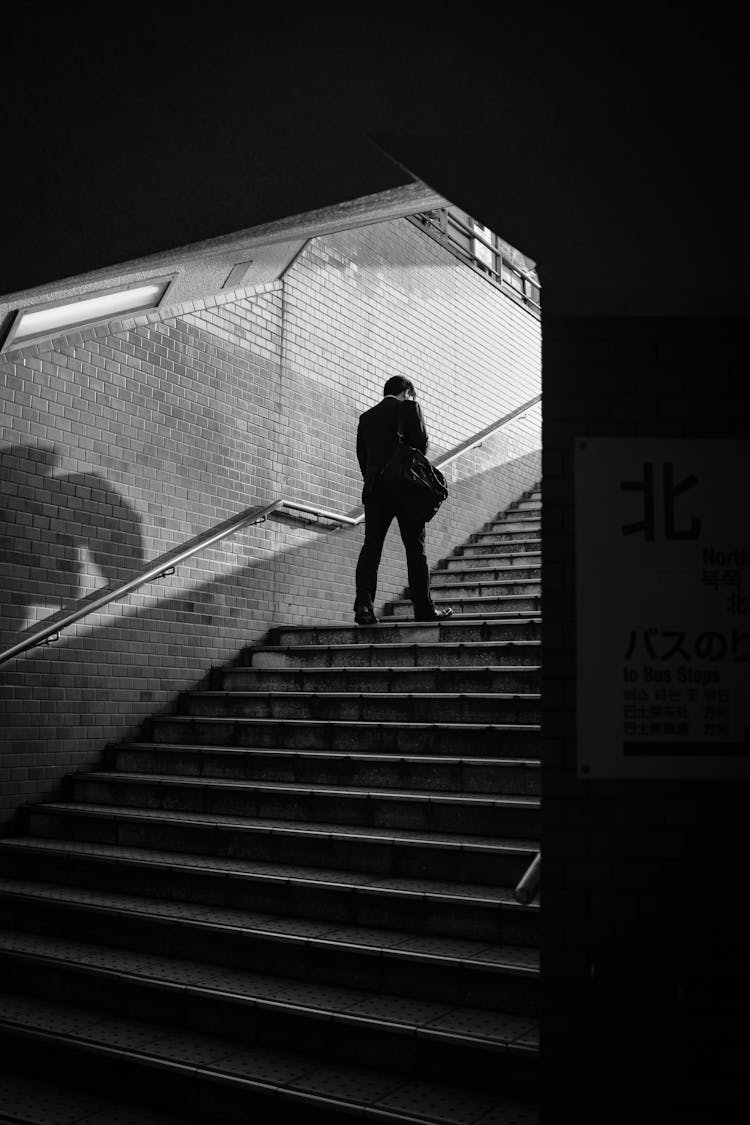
(433, 615)
(363, 615)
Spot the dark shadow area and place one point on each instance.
(49, 523)
(260, 182)
(645, 982)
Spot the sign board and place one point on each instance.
(662, 535)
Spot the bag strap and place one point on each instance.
(399, 415)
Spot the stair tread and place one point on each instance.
(458, 617)
(491, 558)
(505, 553)
(31, 1101)
(398, 943)
(452, 645)
(458, 594)
(470, 575)
(287, 873)
(477, 563)
(348, 695)
(478, 598)
(368, 724)
(385, 668)
(488, 581)
(445, 759)
(295, 827)
(394, 1096)
(316, 928)
(519, 618)
(429, 796)
(266, 990)
(511, 574)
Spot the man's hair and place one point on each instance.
(396, 384)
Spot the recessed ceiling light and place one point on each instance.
(44, 320)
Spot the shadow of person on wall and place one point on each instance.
(52, 528)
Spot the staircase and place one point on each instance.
(295, 894)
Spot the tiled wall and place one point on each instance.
(644, 951)
(386, 300)
(121, 442)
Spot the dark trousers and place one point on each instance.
(380, 510)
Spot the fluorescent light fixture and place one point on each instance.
(44, 320)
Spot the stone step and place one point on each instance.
(419, 966)
(484, 544)
(365, 706)
(466, 604)
(428, 773)
(509, 740)
(486, 628)
(216, 1078)
(468, 584)
(522, 528)
(467, 814)
(421, 654)
(462, 574)
(336, 1024)
(516, 516)
(510, 535)
(386, 678)
(444, 969)
(518, 528)
(311, 866)
(25, 1099)
(398, 852)
(523, 560)
(420, 906)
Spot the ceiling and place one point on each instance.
(610, 152)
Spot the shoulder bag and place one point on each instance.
(414, 479)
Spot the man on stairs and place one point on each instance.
(376, 441)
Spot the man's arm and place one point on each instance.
(416, 431)
(361, 449)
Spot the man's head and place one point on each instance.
(400, 387)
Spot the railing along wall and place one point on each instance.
(284, 509)
(480, 251)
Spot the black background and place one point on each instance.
(610, 148)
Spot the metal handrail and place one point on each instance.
(528, 885)
(479, 237)
(167, 563)
(101, 598)
(321, 513)
(450, 219)
(472, 442)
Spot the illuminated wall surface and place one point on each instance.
(121, 442)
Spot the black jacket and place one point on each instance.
(376, 435)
